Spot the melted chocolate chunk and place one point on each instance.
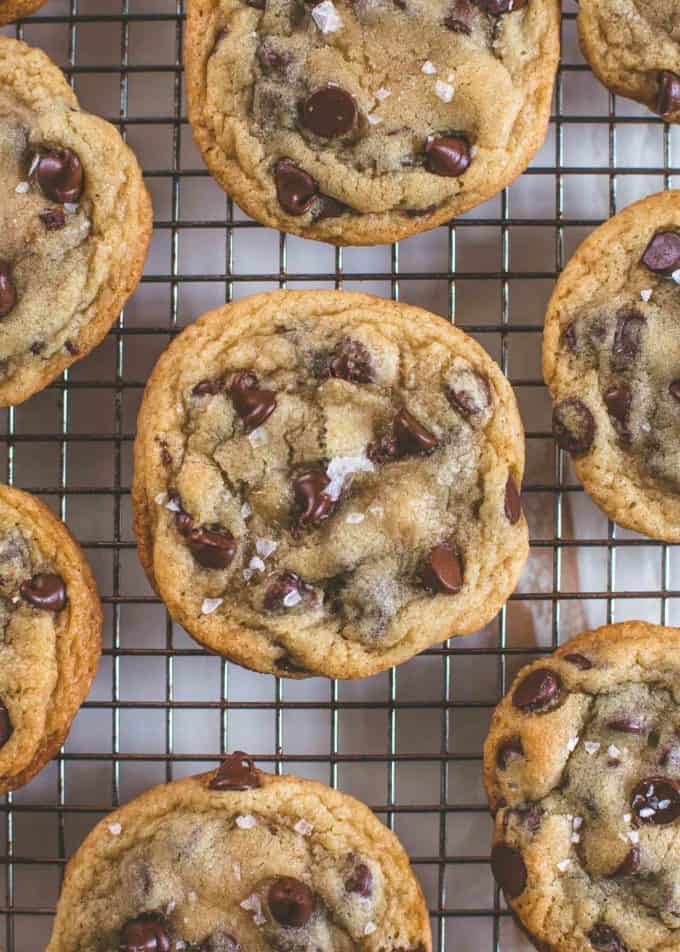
(208, 388)
(618, 399)
(60, 175)
(326, 207)
(236, 772)
(350, 361)
(53, 218)
(213, 548)
(147, 933)
(538, 691)
(471, 396)
(329, 112)
(8, 293)
(656, 800)
(313, 503)
(573, 426)
(626, 346)
(283, 590)
(459, 18)
(628, 725)
(509, 869)
(295, 189)
(253, 404)
(579, 661)
(412, 438)
(605, 938)
(630, 864)
(44, 591)
(291, 902)
(443, 570)
(6, 728)
(668, 95)
(512, 502)
(662, 255)
(508, 750)
(360, 881)
(447, 155)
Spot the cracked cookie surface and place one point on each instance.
(76, 223)
(633, 46)
(265, 862)
(327, 483)
(50, 635)
(364, 121)
(611, 359)
(582, 770)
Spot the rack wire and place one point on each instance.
(407, 742)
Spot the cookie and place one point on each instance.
(76, 223)
(633, 48)
(50, 635)
(11, 10)
(365, 121)
(237, 860)
(582, 770)
(328, 483)
(611, 358)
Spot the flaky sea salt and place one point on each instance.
(376, 511)
(591, 746)
(246, 822)
(354, 518)
(575, 837)
(34, 164)
(160, 499)
(382, 94)
(341, 468)
(577, 822)
(291, 599)
(173, 505)
(210, 605)
(326, 17)
(246, 511)
(374, 120)
(564, 865)
(265, 547)
(253, 904)
(572, 744)
(258, 437)
(115, 829)
(22, 188)
(428, 68)
(304, 828)
(634, 836)
(71, 207)
(370, 928)
(646, 295)
(256, 564)
(613, 751)
(645, 813)
(676, 276)
(444, 91)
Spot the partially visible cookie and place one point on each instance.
(50, 635)
(328, 483)
(238, 860)
(75, 223)
(11, 10)
(364, 121)
(582, 770)
(611, 358)
(633, 47)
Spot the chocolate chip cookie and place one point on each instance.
(633, 47)
(75, 223)
(611, 358)
(11, 10)
(582, 770)
(238, 860)
(364, 121)
(50, 635)
(328, 483)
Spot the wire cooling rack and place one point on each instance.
(407, 742)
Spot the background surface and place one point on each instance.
(407, 742)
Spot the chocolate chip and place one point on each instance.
(508, 751)
(412, 438)
(8, 293)
(295, 189)
(470, 395)
(326, 207)
(53, 218)
(145, 934)
(498, 7)
(626, 346)
(45, 591)
(617, 400)
(360, 881)
(459, 18)
(538, 691)
(512, 503)
(71, 348)
(291, 902)
(6, 728)
(573, 426)
(605, 938)
(314, 504)
(668, 95)
(329, 112)
(674, 389)
(213, 548)
(208, 388)
(443, 571)
(628, 725)
(662, 255)
(656, 800)
(579, 661)
(281, 588)
(447, 155)
(236, 772)
(60, 175)
(509, 869)
(252, 404)
(349, 360)
(630, 864)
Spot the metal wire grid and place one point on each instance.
(450, 691)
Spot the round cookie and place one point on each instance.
(11, 10)
(50, 635)
(582, 771)
(327, 483)
(611, 358)
(365, 121)
(76, 223)
(633, 47)
(237, 860)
